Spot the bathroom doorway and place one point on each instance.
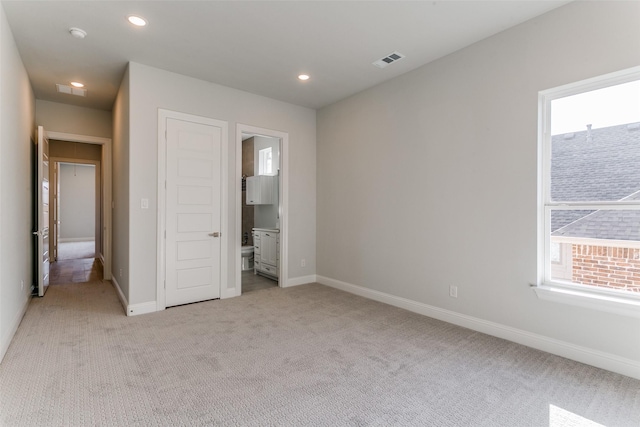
(261, 209)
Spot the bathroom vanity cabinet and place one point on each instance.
(261, 190)
(266, 252)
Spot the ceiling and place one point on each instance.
(259, 46)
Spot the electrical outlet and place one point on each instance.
(303, 262)
(453, 291)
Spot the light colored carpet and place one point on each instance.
(308, 355)
(76, 250)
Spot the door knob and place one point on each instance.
(214, 234)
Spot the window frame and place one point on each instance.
(265, 156)
(565, 292)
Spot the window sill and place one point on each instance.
(608, 303)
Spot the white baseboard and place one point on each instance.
(75, 239)
(133, 309)
(581, 354)
(13, 327)
(303, 280)
(142, 308)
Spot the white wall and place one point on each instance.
(16, 130)
(77, 202)
(57, 117)
(151, 89)
(429, 180)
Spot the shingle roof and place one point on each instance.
(600, 165)
(616, 225)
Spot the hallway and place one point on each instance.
(76, 264)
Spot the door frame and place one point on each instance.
(42, 230)
(283, 192)
(98, 186)
(107, 198)
(163, 115)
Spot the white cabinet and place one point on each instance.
(261, 190)
(266, 252)
(269, 246)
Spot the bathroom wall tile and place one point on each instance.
(247, 170)
(247, 157)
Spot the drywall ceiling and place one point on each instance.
(259, 47)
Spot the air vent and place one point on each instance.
(390, 59)
(71, 90)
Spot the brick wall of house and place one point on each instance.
(607, 266)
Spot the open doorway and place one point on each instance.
(76, 200)
(85, 149)
(262, 208)
(260, 212)
(76, 212)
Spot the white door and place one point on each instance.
(42, 164)
(193, 212)
(55, 211)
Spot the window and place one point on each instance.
(265, 165)
(589, 218)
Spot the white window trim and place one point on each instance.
(263, 160)
(589, 299)
(600, 299)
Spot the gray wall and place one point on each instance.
(150, 89)
(77, 202)
(120, 174)
(430, 179)
(17, 123)
(64, 118)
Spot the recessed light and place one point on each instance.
(137, 21)
(303, 77)
(77, 84)
(78, 33)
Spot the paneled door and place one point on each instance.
(42, 165)
(54, 223)
(193, 212)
